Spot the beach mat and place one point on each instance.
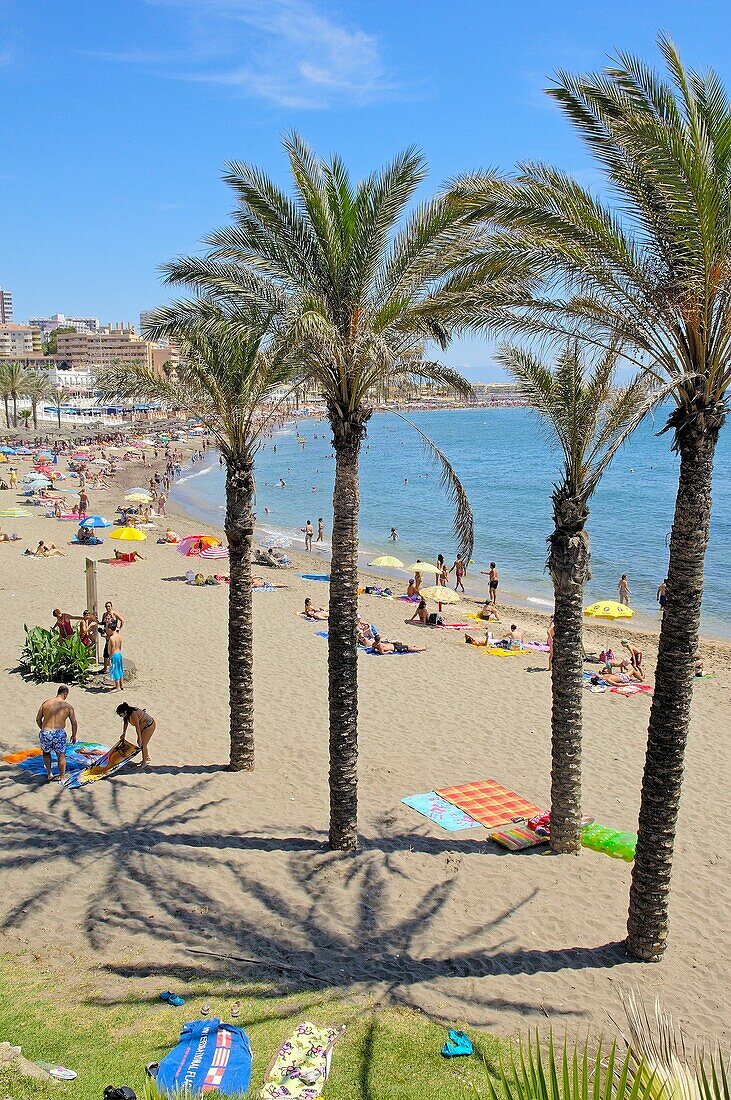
(301, 1066)
(488, 802)
(108, 764)
(441, 812)
(79, 756)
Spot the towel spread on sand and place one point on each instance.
(488, 802)
(81, 755)
(441, 812)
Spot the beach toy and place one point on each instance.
(611, 842)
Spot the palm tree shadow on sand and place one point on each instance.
(275, 909)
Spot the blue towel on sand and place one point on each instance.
(315, 577)
(441, 812)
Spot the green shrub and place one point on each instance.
(47, 656)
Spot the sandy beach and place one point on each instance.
(186, 866)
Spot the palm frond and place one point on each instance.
(464, 521)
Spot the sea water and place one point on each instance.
(507, 466)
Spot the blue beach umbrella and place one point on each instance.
(7, 450)
(95, 521)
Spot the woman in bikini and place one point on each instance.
(143, 724)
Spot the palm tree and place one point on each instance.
(15, 380)
(5, 392)
(233, 366)
(589, 419)
(656, 277)
(360, 289)
(38, 389)
(59, 397)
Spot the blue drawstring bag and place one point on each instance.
(210, 1057)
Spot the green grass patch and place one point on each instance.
(70, 1017)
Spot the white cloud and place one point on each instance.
(285, 51)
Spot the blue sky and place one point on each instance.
(118, 115)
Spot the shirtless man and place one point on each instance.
(459, 569)
(320, 530)
(494, 580)
(53, 714)
(116, 661)
(381, 646)
(513, 639)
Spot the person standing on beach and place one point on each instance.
(53, 714)
(83, 503)
(440, 569)
(459, 569)
(662, 594)
(320, 530)
(494, 580)
(624, 590)
(116, 661)
(309, 532)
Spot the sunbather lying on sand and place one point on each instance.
(382, 646)
(317, 614)
(619, 679)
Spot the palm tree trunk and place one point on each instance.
(647, 924)
(58, 413)
(7, 413)
(34, 406)
(15, 411)
(569, 567)
(239, 531)
(342, 640)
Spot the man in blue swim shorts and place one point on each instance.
(52, 717)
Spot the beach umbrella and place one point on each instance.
(423, 567)
(36, 479)
(138, 498)
(608, 609)
(214, 552)
(14, 513)
(22, 451)
(387, 562)
(128, 534)
(192, 545)
(95, 521)
(7, 450)
(440, 594)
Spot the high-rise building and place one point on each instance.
(111, 344)
(6, 306)
(59, 320)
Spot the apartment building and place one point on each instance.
(18, 341)
(60, 320)
(6, 306)
(111, 344)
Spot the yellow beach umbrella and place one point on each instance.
(608, 609)
(423, 567)
(128, 534)
(139, 498)
(14, 513)
(440, 594)
(387, 562)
